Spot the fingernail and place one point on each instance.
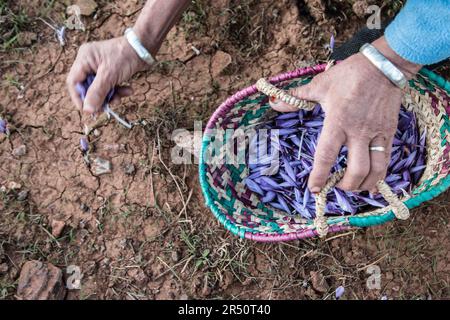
(274, 100)
(314, 190)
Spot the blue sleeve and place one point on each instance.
(420, 33)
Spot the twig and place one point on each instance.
(170, 268)
(152, 188)
(371, 264)
(170, 173)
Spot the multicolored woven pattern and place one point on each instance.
(241, 212)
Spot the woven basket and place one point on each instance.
(241, 211)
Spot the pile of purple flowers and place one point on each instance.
(285, 187)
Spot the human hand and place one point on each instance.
(113, 61)
(361, 110)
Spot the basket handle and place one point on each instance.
(399, 209)
(270, 90)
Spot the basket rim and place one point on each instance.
(340, 223)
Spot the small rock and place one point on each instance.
(175, 256)
(318, 282)
(87, 7)
(97, 133)
(20, 151)
(220, 62)
(22, 195)
(57, 227)
(129, 169)
(3, 268)
(40, 281)
(14, 185)
(101, 166)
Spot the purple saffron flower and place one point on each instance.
(3, 126)
(84, 144)
(339, 291)
(332, 43)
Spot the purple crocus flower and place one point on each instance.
(332, 43)
(3, 126)
(339, 291)
(84, 144)
(82, 89)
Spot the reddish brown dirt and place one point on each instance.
(126, 232)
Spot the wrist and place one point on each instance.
(408, 68)
(149, 38)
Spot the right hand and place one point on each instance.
(113, 61)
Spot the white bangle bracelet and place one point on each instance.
(136, 44)
(384, 65)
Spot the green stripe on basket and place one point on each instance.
(437, 79)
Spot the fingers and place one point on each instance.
(77, 74)
(358, 165)
(328, 148)
(308, 92)
(98, 91)
(378, 163)
(121, 92)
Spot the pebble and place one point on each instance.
(129, 169)
(175, 256)
(3, 268)
(40, 281)
(318, 282)
(22, 195)
(101, 166)
(86, 7)
(20, 151)
(14, 185)
(220, 61)
(57, 228)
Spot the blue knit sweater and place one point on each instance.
(420, 33)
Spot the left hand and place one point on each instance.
(361, 110)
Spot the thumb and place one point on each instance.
(307, 92)
(97, 92)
